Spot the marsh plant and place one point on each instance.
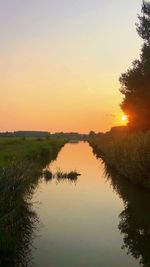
(130, 156)
(72, 175)
(60, 175)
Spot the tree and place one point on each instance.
(143, 28)
(135, 83)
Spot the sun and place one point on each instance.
(124, 118)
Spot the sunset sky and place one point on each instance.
(60, 61)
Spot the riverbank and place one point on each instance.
(22, 161)
(21, 164)
(15, 150)
(128, 155)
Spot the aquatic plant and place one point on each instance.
(72, 175)
(47, 174)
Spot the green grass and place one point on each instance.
(31, 149)
(129, 156)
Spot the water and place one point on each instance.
(79, 220)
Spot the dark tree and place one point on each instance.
(143, 27)
(135, 83)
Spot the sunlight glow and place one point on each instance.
(124, 118)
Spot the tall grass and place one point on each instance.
(129, 156)
(21, 163)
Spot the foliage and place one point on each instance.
(143, 27)
(135, 83)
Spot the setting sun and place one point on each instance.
(124, 118)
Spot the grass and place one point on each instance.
(129, 156)
(30, 149)
(21, 163)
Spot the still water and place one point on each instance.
(79, 221)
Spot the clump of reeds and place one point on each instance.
(72, 175)
(47, 174)
(60, 175)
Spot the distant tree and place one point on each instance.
(92, 134)
(135, 83)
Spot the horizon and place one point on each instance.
(61, 61)
(51, 132)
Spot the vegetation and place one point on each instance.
(40, 134)
(37, 150)
(136, 81)
(60, 175)
(129, 155)
(25, 134)
(70, 136)
(47, 175)
(21, 163)
(72, 175)
(122, 149)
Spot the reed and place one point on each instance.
(129, 156)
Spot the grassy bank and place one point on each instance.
(129, 155)
(21, 164)
(35, 150)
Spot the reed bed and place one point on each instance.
(129, 156)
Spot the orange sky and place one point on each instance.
(61, 60)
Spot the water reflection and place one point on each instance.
(134, 222)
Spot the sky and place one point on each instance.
(60, 61)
